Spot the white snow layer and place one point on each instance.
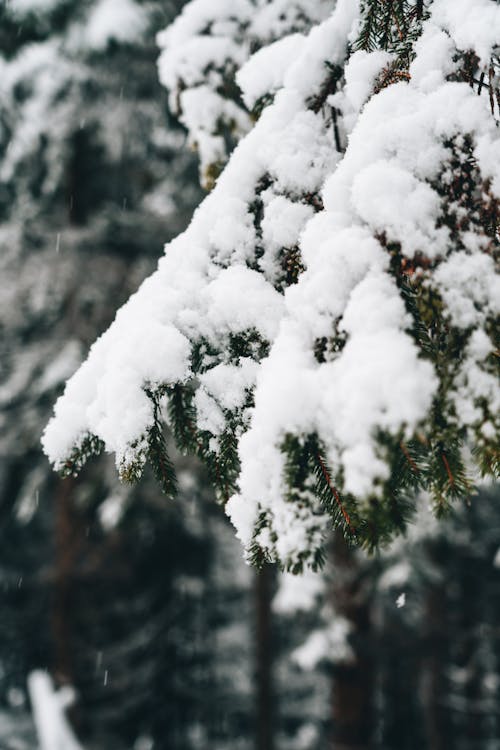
(32, 6)
(329, 644)
(265, 71)
(204, 48)
(52, 726)
(383, 188)
(122, 20)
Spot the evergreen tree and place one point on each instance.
(323, 334)
(135, 602)
(93, 586)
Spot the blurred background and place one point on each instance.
(148, 629)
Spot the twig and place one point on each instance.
(326, 475)
(448, 470)
(409, 458)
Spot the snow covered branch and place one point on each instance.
(331, 311)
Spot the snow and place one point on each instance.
(240, 299)
(298, 593)
(264, 72)
(283, 221)
(395, 576)
(312, 651)
(196, 66)
(53, 729)
(41, 65)
(111, 511)
(228, 384)
(361, 71)
(472, 25)
(198, 15)
(122, 20)
(208, 44)
(32, 6)
(470, 288)
(330, 644)
(434, 58)
(295, 168)
(191, 60)
(274, 18)
(327, 41)
(390, 199)
(496, 559)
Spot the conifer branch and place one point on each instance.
(410, 460)
(335, 494)
(448, 470)
(160, 461)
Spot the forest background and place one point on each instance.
(146, 607)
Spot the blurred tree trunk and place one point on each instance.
(433, 670)
(263, 656)
(353, 682)
(67, 542)
(64, 563)
(469, 643)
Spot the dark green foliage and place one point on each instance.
(309, 476)
(391, 25)
(447, 475)
(247, 344)
(256, 555)
(182, 418)
(223, 465)
(260, 105)
(341, 509)
(159, 459)
(309, 480)
(437, 451)
(88, 447)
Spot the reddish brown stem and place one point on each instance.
(409, 458)
(326, 475)
(400, 33)
(448, 470)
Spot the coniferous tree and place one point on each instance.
(280, 275)
(90, 585)
(366, 323)
(93, 178)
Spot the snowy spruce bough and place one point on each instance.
(324, 335)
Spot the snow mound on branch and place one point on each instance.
(264, 72)
(472, 25)
(203, 50)
(190, 293)
(122, 20)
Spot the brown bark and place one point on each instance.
(353, 682)
(433, 671)
(263, 659)
(64, 552)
